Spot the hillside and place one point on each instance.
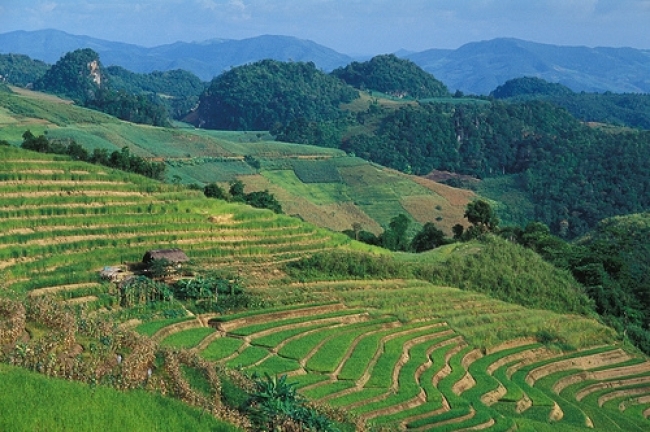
(627, 110)
(393, 351)
(323, 186)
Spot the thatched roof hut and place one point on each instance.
(174, 256)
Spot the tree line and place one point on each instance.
(123, 159)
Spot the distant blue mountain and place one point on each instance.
(205, 59)
(476, 68)
(480, 67)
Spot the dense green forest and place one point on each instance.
(20, 70)
(628, 109)
(574, 175)
(392, 75)
(79, 75)
(261, 94)
(611, 262)
(178, 90)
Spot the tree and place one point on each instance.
(237, 190)
(428, 238)
(394, 238)
(480, 214)
(458, 231)
(213, 190)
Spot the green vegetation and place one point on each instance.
(122, 160)
(20, 70)
(79, 75)
(256, 96)
(178, 90)
(628, 109)
(392, 75)
(466, 335)
(75, 406)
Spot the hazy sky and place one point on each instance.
(348, 26)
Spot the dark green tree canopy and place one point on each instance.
(480, 214)
(430, 237)
(529, 86)
(178, 90)
(77, 75)
(261, 94)
(392, 75)
(20, 70)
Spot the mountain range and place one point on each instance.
(475, 68)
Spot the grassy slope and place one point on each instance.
(75, 407)
(361, 192)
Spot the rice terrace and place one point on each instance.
(150, 291)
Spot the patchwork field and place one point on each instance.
(324, 186)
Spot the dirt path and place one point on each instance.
(492, 397)
(522, 356)
(622, 393)
(523, 404)
(467, 381)
(636, 401)
(470, 415)
(198, 321)
(81, 300)
(59, 288)
(229, 326)
(410, 404)
(557, 414)
(482, 426)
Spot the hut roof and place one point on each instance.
(171, 255)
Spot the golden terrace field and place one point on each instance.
(403, 354)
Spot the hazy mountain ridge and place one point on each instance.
(477, 67)
(205, 59)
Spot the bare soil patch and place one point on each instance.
(622, 393)
(60, 288)
(602, 375)
(592, 361)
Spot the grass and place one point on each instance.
(187, 338)
(31, 402)
(221, 348)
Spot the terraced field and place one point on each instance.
(436, 369)
(65, 221)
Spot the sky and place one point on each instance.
(356, 27)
